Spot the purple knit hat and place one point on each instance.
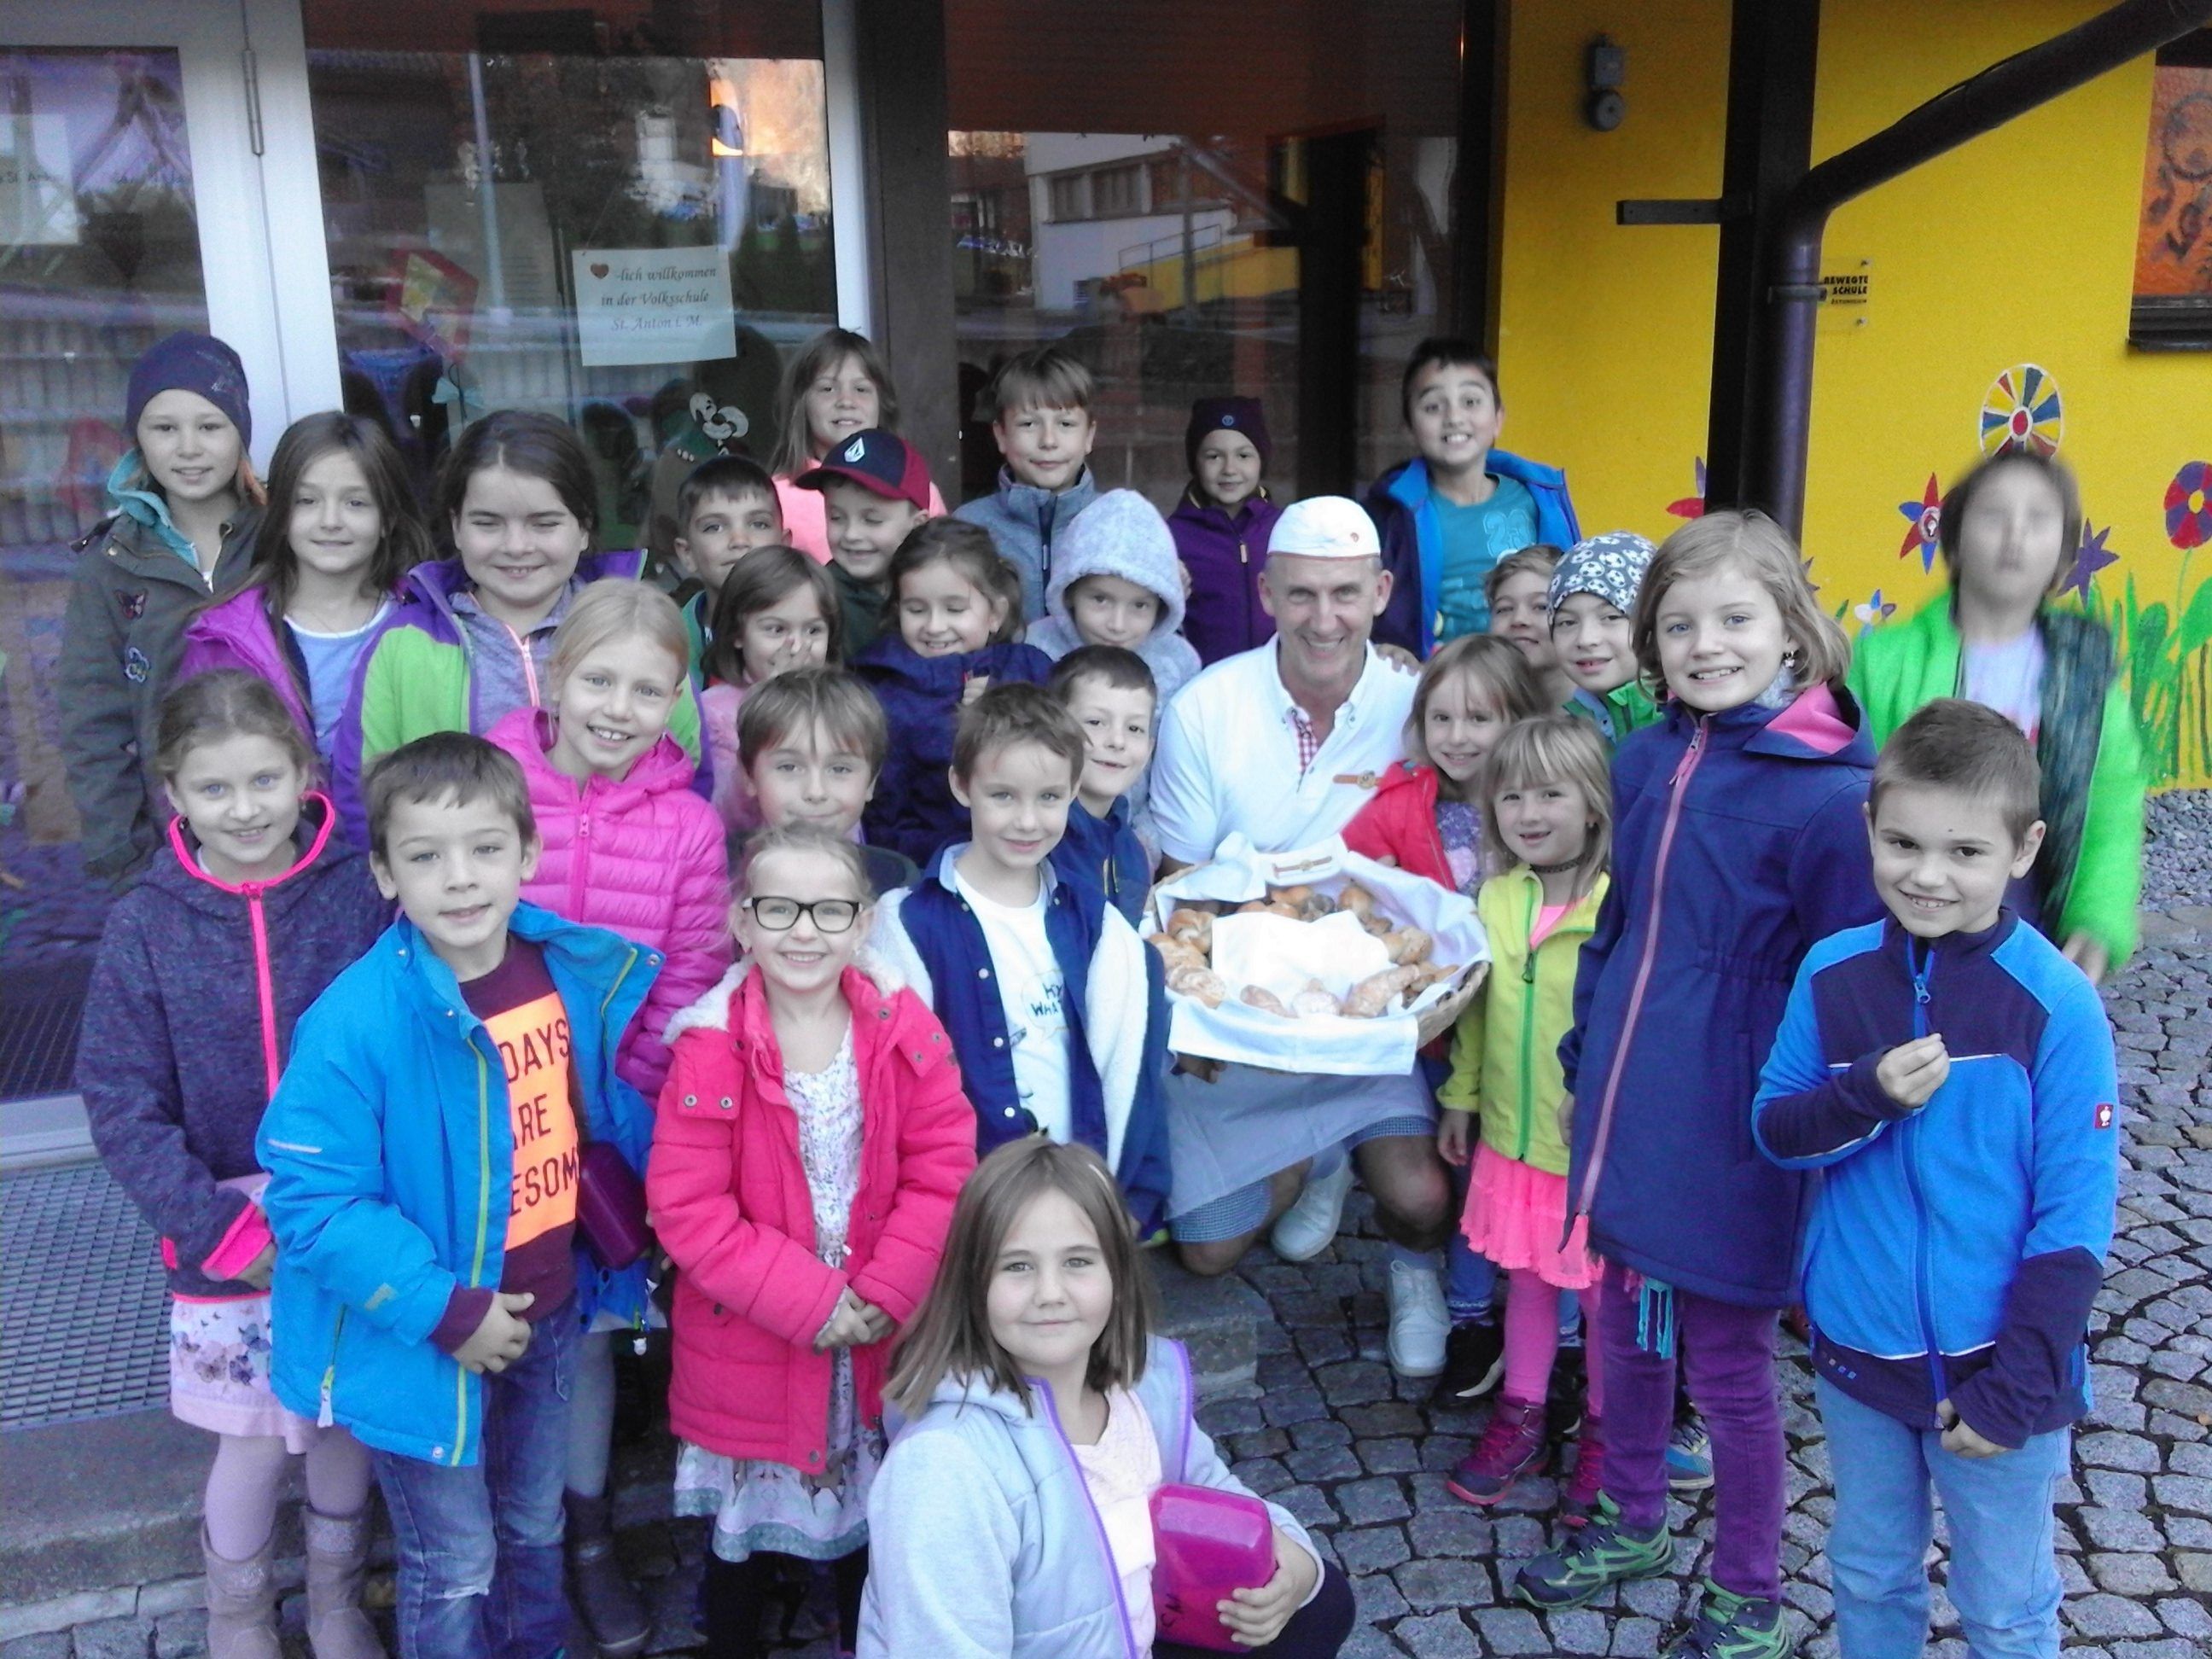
(1237, 413)
(190, 362)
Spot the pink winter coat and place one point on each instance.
(729, 1204)
(718, 724)
(644, 857)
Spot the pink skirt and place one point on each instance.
(219, 1371)
(1514, 1215)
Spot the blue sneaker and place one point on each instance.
(1689, 1456)
(1731, 1626)
(1590, 1560)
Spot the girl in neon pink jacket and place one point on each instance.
(810, 1142)
(627, 844)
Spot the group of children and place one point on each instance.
(768, 916)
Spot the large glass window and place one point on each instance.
(1114, 191)
(619, 214)
(100, 256)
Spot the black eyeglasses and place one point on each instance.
(780, 915)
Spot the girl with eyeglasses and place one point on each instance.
(799, 1254)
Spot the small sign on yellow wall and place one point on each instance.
(1846, 295)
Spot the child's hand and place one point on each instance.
(974, 687)
(1400, 658)
(1183, 570)
(881, 1326)
(500, 1338)
(1566, 1116)
(847, 1326)
(1911, 1072)
(1960, 1437)
(2089, 956)
(1256, 1617)
(259, 1272)
(1452, 1135)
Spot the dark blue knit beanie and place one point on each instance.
(190, 362)
(1237, 413)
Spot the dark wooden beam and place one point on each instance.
(910, 190)
(1478, 176)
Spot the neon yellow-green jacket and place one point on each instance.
(1505, 1050)
(2090, 870)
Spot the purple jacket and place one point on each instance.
(1225, 556)
(236, 633)
(913, 810)
(1738, 842)
(188, 1024)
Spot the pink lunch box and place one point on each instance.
(1207, 1543)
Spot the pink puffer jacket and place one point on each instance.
(731, 1204)
(644, 857)
(719, 705)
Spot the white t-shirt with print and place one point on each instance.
(1033, 994)
(2007, 677)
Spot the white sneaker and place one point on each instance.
(1419, 1326)
(1306, 1228)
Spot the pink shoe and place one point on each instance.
(1512, 1446)
(1581, 1499)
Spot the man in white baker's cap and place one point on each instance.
(1286, 743)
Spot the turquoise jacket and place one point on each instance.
(2089, 875)
(389, 1157)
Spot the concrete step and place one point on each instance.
(101, 1518)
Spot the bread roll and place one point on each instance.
(1267, 1001)
(1372, 996)
(1203, 983)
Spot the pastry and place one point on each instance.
(1371, 997)
(1202, 983)
(1265, 1000)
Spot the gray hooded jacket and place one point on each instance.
(984, 1541)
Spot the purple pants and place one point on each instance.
(1728, 1358)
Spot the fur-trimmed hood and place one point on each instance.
(711, 1013)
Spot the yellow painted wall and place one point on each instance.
(2016, 248)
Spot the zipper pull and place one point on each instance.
(1241, 558)
(324, 1418)
(1528, 969)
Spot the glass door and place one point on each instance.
(132, 173)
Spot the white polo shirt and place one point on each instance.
(1229, 758)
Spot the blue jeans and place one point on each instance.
(2003, 1579)
(479, 1547)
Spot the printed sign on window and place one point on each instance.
(652, 304)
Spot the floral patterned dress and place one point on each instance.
(758, 1504)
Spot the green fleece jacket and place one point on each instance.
(1505, 1048)
(1617, 713)
(2090, 874)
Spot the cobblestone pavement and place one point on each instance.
(1362, 1459)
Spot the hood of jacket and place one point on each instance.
(891, 658)
(315, 845)
(1119, 534)
(529, 734)
(132, 495)
(431, 586)
(870, 979)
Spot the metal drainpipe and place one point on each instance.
(1986, 100)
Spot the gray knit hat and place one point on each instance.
(1611, 566)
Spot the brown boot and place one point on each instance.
(338, 1560)
(241, 1606)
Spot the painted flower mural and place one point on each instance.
(1926, 515)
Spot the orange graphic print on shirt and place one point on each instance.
(534, 1046)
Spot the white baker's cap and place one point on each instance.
(1325, 527)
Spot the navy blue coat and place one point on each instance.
(187, 1022)
(948, 939)
(1413, 544)
(1105, 853)
(912, 811)
(1738, 842)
